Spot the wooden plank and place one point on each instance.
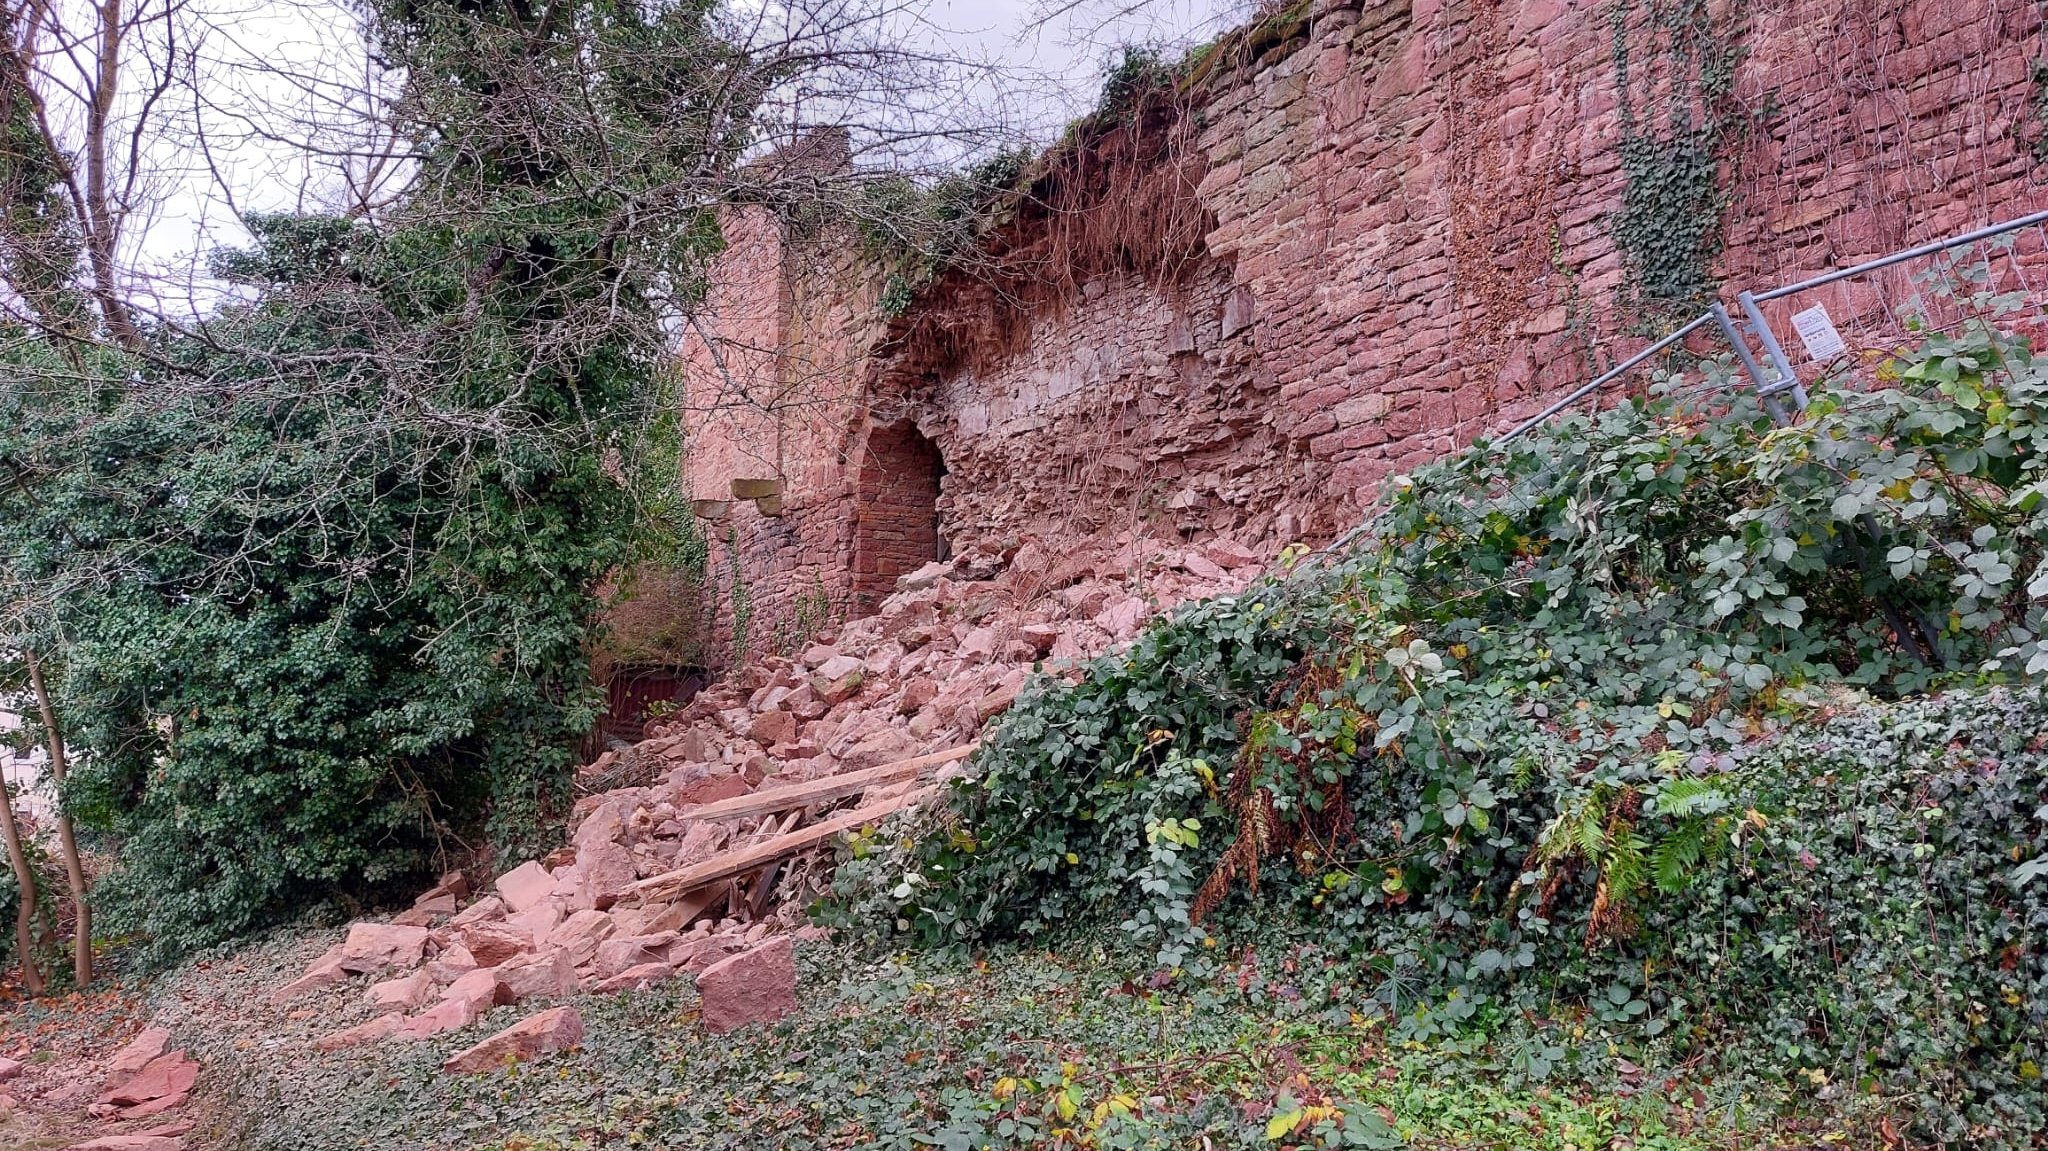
(747, 859)
(827, 789)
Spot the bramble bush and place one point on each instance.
(1612, 743)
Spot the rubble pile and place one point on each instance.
(120, 1100)
(685, 842)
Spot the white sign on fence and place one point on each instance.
(1818, 333)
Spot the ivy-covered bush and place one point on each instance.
(1588, 742)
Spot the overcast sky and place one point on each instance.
(274, 67)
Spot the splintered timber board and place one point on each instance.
(747, 859)
(830, 788)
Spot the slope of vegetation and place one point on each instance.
(1023, 1049)
(1574, 759)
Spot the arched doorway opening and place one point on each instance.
(896, 524)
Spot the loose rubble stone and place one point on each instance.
(525, 886)
(446, 1015)
(454, 961)
(378, 1028)
(555, 1029)
(756, 986)
(168, 1074)
(538, 920)
(580, 934)
(616, 955)
(545, 974)
(838, 678)
(709, 789)
(637, 978)
(326, 971)
(493, 943)
(608, 873)
(137, 1053)
(380, 946)
(155, 1106)
(403, 993)
(695, 955)
(488, 908)
(772, 727)
(924, 577)
(483, 988)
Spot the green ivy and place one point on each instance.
(2038, 106)
(1672, 155)
(326, 568)
(1583, 739)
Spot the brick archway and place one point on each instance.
(896, 524)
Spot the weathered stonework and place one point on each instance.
(1399, 223)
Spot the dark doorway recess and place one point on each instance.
(636, 695)
(896, 526)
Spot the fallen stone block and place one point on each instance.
(538, 921)
(168, 1074)
(696, 955)
(379, 946)
(708, 789)
(756, 986)
(147, 1045)
(998, 701)
(436, 906)
(915, 694)
(402, 994)
(608, 873)
(580, 934)
(541, 975)
(616, 955)
(1228, 553)
(325, 971)
(447, 1015)
(454, 962)
(772, 727)
(361, 1033)
(555, 1029)
(155, 1106)
(525, 886)
(638, 978)
(493, 943)
(604, 825)
(482, 987)
(571, 895)
(488, 908)
(838, 679)
(9, 1068)
(1040, 637)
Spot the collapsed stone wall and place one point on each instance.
(1402, 221)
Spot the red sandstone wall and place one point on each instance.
(1413, 207)
(771, 392)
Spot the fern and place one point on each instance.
(1676, 857)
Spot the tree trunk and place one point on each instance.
(25, 881)
(67, 839)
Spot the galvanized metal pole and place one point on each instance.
(1787, 381)
(1733, 332)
